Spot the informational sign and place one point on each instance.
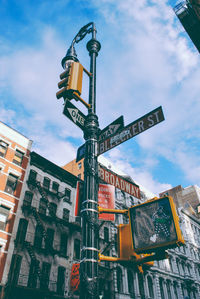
(112, 129)
(75, 278)
(80, 153)
(79, 198)
(119, 182)
(74, 114)
(106, 200)
(154, 225)
(138, 126)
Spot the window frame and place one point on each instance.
(11, 184)
(19, 155)
(3, 145)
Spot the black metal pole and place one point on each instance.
(89, 211)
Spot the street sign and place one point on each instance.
(111, 129)
(74, 114)
(138, 126)
(119, 182)
(80, 153)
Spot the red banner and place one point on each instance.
(79, 198)
(106, 200)
(74, 278)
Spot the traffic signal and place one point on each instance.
(126, 252)
(71, 84)
(155, 225)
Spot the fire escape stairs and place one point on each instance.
(39, 222)
(32, 256)
(44, 196)
(107, 247)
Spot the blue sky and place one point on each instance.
(146, 60)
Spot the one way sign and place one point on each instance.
(74, 114)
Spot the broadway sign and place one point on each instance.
(138, 126)
(119, 182)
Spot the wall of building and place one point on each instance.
(55, 253)
(14, 154)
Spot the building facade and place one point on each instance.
(47, 238)
(14, 154)
(41, 236)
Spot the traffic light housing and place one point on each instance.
(71, 84)
(126, 252)
(155, 225)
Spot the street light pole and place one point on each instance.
(89, 211)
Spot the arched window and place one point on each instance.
(119, 280)
(150, 287)
(131, 283)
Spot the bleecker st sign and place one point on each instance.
(138, 126)
(119, 182)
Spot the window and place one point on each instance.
(32, 176)
(46, 183)
(63, 244)
(3, 148)
(38, 237)
(150, 287)
(52, 209)
(11, 184)
(67, 197)
(77, 248)
(55, 187)
(169, 290)
(49, 239)
(15, 268)
(119, 280)
(79, 165)
(66, 215)
(175, 290)
(44, 282)
(61, 281)
(33, 274)
(28, 198)
(131, 283)
(18, 158)
(42, 206)
(21, 232)
(106, 234)
(4, 213)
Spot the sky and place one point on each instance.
(146, 60)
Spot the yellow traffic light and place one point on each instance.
(71, 80)
(125, 248)
(155, 225)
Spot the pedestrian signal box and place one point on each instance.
(125, 247)
(155, 225)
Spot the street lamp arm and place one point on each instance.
(83, 31)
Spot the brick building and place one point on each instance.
(14, 154)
